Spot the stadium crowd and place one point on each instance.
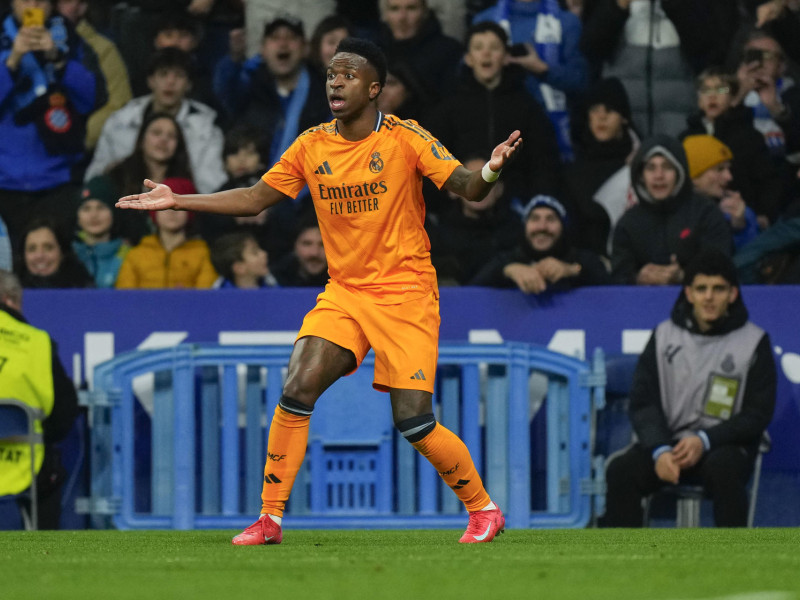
(652, 128)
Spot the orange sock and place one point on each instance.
(286, 449)
(449, 455)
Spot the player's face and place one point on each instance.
(605, 124)
(710, 297)
(714, 181)
(485, 56)
(351, 85)
(543, 228)
(95, 218)
(659, 177)
(310, 251)
(42, 252)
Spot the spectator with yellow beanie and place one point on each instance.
(710, 170)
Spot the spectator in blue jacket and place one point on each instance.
(50, 83)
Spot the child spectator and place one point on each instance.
(490, 97)
(47, 259)
(755, 176)
(241, 262)
(170, 258)
(97, 246)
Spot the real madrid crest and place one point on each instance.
(376, 164)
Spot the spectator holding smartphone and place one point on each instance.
(49, 83)
(773, 99)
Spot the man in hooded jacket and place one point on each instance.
(654, 239)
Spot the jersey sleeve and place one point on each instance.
(434, 161)
(286, 175)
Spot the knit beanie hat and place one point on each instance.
(100, 188)
(610, 93)
(546, 201)
(704, 152)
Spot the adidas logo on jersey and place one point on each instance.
(324, 169)
(419, 375)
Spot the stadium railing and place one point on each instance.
(178, 440)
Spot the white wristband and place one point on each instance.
(488, 175)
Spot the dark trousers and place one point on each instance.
(49, 483)
(723, 472)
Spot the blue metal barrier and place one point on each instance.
(209, 422)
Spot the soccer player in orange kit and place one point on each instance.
(364, 170)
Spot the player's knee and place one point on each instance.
(295, 407)
(300, 392)
(416, 428)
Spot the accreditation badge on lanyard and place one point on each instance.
(721, 396)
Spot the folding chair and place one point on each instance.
(18, 424)
(690, 497)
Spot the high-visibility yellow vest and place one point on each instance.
(26, 374)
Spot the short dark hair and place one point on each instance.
(487, 26)
(710, 261)
(228, 249)
(240, 137)
(171, 58)
(369, 51)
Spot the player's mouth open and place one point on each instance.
(336, 102)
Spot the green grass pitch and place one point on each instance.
(668, 564)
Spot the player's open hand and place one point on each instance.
(505, 151)
(160, 197)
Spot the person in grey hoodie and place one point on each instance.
(654, 239)
(702, 395)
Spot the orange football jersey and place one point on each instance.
(368, 199)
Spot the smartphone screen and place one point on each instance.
(33, 17)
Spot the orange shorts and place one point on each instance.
(404, 336)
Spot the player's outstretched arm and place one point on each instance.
(240, 202)
(474, 185)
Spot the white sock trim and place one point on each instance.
(490, 506)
